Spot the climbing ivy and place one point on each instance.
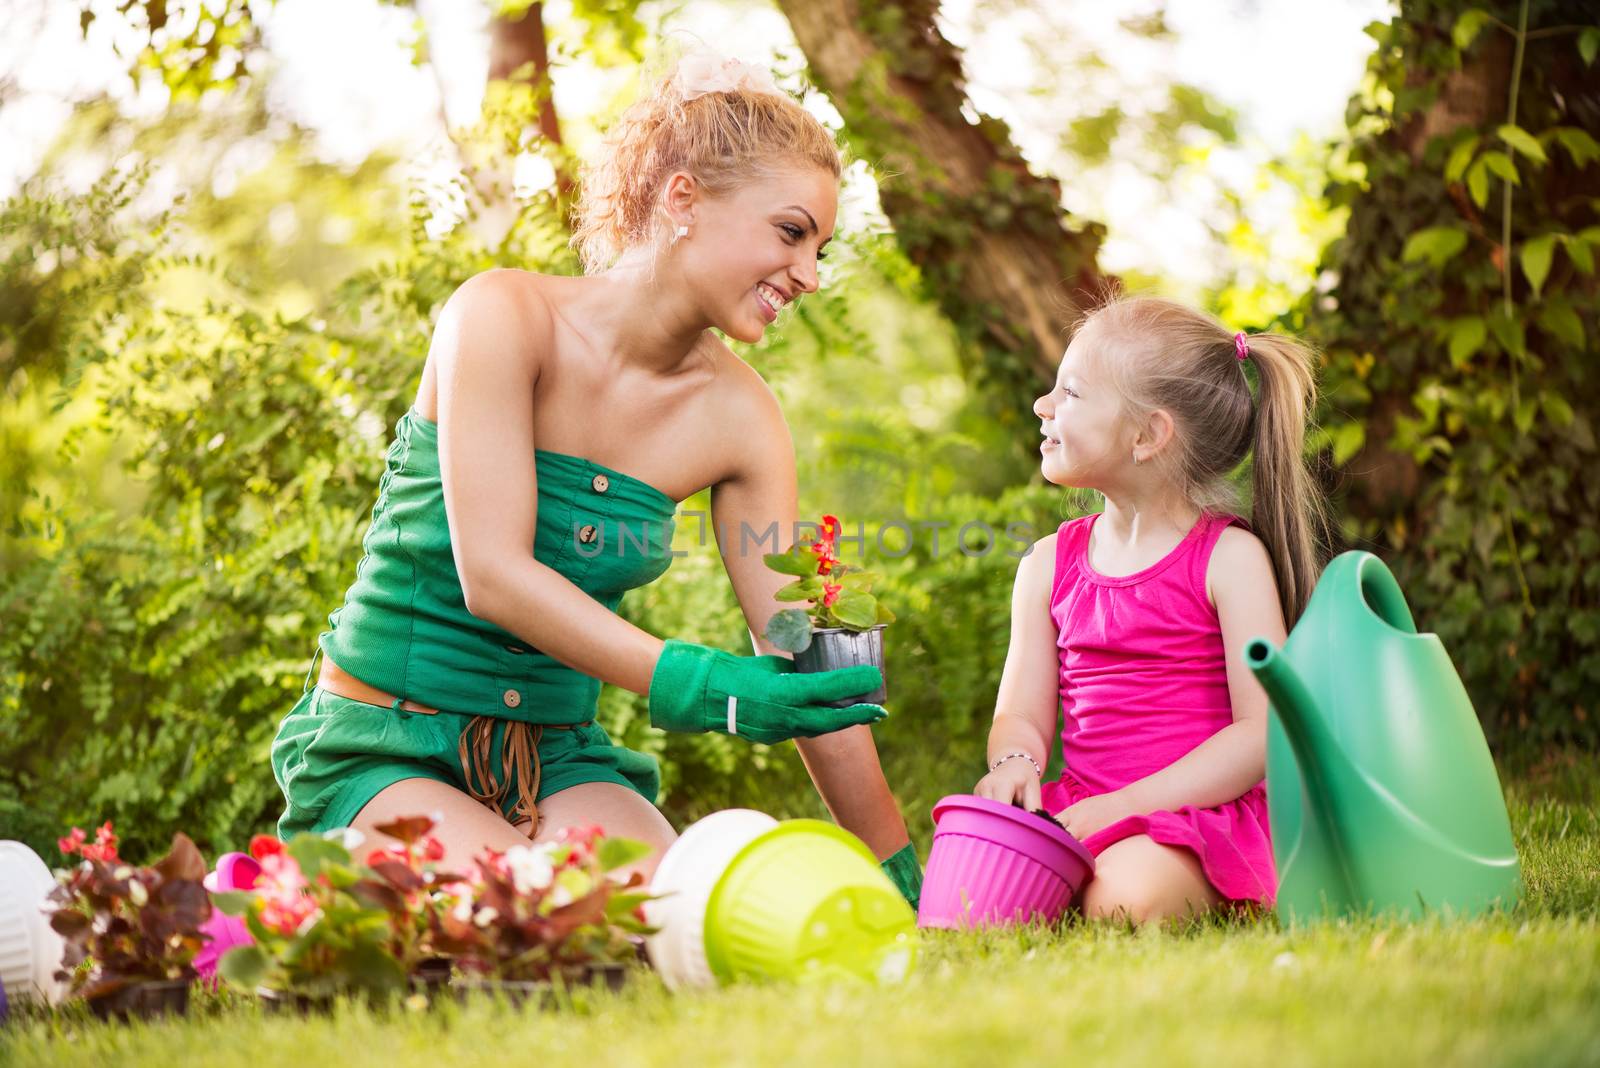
(1462, 387)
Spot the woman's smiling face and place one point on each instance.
(754, 250)
(1087, 438)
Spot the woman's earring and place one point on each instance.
(680, 232)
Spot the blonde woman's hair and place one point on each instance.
(1164, 355)
(724, 138)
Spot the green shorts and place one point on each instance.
(332, 755)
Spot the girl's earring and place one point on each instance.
(679, 233)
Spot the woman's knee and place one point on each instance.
(463, 825)
(618, 810)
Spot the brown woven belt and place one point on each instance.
(520, 767)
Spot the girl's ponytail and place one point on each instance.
(1287, 511)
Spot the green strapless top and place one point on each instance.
(404, 626)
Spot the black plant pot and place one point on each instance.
(289, 1001)
(431, 975)
(541, 993)
(837, 647)
(145, 1001)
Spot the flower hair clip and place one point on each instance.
(707, 72)
(1241, 347)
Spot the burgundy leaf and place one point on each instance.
(398, 875)
(381, 894)
(70, 924)
(590, 908)
(183, 860)
(407, 829)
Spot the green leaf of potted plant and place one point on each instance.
(844, 624)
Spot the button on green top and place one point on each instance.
(404, 626)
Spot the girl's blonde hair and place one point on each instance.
(724, 138)
(1162, 354)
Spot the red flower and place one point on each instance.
(826, 547)
(72, 842)
(826, 557)
(582, 840)
(432, 848)
(384, 856)
(263, 846)
(105, 845)
(830, 593)
(284, 903)
(587, 835)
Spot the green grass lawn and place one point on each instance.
(1518, 988)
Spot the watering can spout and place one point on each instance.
(1322, 760)
(1282, 683)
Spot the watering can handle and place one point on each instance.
(1382, 594)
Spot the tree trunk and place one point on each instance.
(519, 59)
(518, 52)
(993, 243)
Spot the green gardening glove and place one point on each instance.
(762, 698)
(906, 874)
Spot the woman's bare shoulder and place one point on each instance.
(739, 388)
(503, 298)
(752, 436)
(496, 322)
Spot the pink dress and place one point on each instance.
(1143, 682)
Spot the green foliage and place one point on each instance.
(1462, 386)
(790, 629)
(192, 45)
(146, 655)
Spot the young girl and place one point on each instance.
(1132, 621)
(558, 423)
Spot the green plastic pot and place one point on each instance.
(808, 901)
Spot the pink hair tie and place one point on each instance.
(1241, 347)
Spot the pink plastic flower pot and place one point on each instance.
(998, 864)
(235, 871)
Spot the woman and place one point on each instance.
(461, 675)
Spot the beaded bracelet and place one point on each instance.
(1037, 770)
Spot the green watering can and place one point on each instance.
(1381, 791)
